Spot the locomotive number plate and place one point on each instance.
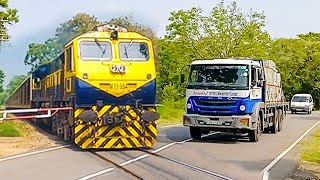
(118, 86)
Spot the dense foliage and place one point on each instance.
(8, 16)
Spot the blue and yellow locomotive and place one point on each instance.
(108, 77)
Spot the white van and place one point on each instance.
(302, 103)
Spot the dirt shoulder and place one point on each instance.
(306, 171)
(309, 166)
(33, 138)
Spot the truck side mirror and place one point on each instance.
(253, 83)
(260, 84)
(182, 78)
(260, 77)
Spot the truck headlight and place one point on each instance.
(242, 107)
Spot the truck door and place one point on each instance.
(256, 87)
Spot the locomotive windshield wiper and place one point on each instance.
(100, 47)
(126, 48)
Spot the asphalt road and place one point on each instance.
(217, 154)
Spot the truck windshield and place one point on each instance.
(219, 77)
(299, 99)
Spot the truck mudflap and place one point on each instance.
(224, 122)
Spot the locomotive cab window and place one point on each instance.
(133, 51)
(36, 83)
(69, 59)
(95, 50)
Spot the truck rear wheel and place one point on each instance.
(274, 128)
(195, 133)
(280, 113)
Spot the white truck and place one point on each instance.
(234, 95)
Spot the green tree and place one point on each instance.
(298, 61)
(14, 83)
(79, 24)
(2, 76)
(225, 33)
(39, 53)
(8, 16)
(311, 36)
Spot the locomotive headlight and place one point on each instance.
(242, 107)
(114, 68)
(122, 68)
(189, 105)
(149, 76)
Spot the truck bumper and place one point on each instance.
(219, 123)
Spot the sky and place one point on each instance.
(39, 19)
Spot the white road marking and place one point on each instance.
(265, 175)
(266, 169)
(145, 156)
(32, 153)
(172, 125)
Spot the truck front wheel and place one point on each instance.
(255, 134)
(195, 133)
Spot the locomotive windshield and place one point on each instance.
(219, 77)
(133, 51)
(95, 50)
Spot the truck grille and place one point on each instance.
(208, 102)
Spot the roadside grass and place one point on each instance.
(8, 129)
(169, 116)
(311, 148)
(15, 128)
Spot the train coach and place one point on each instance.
(99, 92)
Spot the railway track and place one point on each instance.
(119, 166)
(192, 167)
(148, 153)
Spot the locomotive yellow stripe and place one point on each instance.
(87, 143)
(136, 142)
(78, 112)
(83, 134)
(147, 141)
(99, 142)
(103, 110)
(123, 133)
(111, 143)
(131, 132)
(79, 129)
(126, 142)
(132, 144)
(152, 128)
